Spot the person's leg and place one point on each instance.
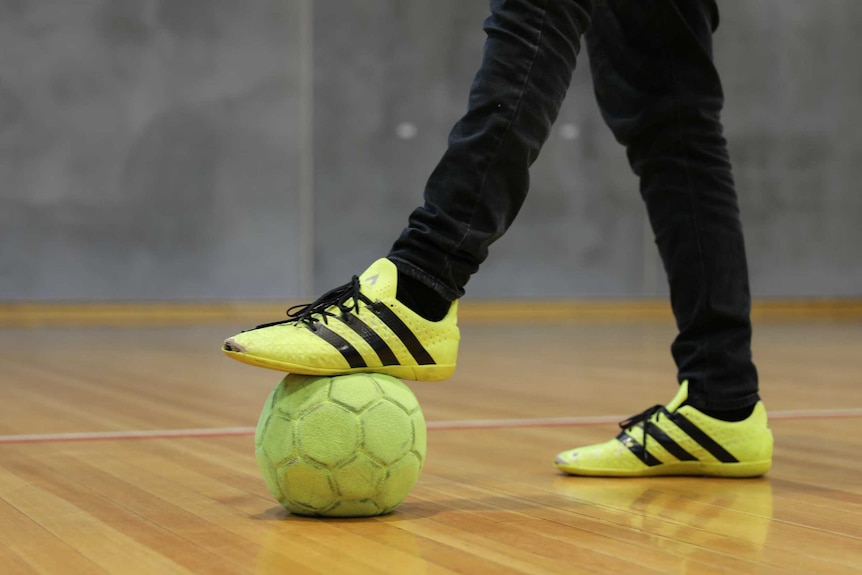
(403, 321)
(660, 93)
(480, 183)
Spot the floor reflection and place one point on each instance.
(698, 511)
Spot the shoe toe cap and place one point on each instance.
(285, 347)
(566, 458)
(258, 342)
(232, 345)
(610, 458)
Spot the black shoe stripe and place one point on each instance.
(353, 357)
(669, 444)
(393, 322)
(638, 450)
(703, 439)
(383, 351)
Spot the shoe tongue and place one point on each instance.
(679, 398)
(380, 280)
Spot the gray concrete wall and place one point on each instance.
(147, 148)
(156, 149)
(793, 78)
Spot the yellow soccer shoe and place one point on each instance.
(677, 439)
(358, 327)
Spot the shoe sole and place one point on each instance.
(683, 468)
(436, 372)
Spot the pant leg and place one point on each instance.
(479, 185)
(660, 94)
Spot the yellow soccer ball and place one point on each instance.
(344, 446)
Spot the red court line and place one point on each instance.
(137, 435)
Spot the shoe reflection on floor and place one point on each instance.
(735, 514)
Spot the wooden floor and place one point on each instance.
(76, 499)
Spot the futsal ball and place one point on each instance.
(344, 446)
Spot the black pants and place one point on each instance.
(660, 94)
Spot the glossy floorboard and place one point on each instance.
(488, 501)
